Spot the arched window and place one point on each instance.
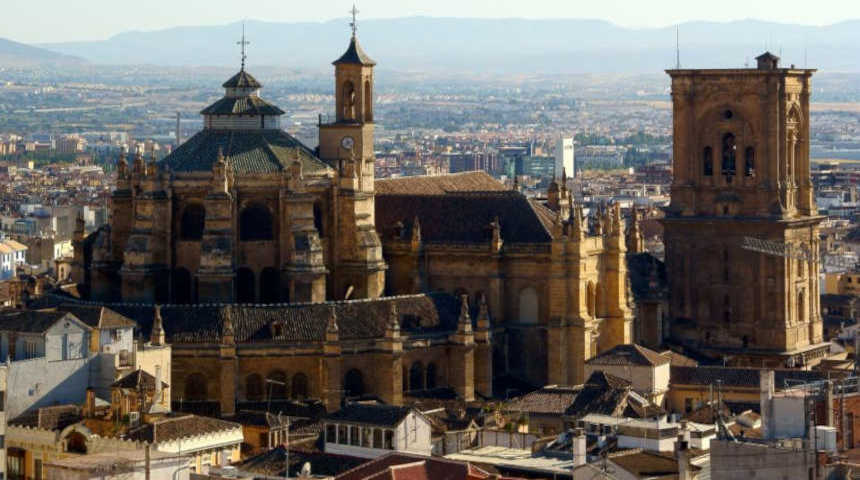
(749, 161)
(300, 386)
(270, 286)
(276, 385)
(801, 307)
(76, 442)
(182, 286)
(192, 223)
(368, 101)
(708, 162)
(319, 223)
(416, 376)
(591, 299)
(245, 288)
(528, 306)
(729, 153)
(353, 383)
(431, 376)
(254, 387)
(255, 223)
(195, 388)
(348, 101)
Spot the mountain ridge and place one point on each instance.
(495, 45)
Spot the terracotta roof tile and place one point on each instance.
(476, 181)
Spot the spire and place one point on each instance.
(483, 315)
(331, 329)
(353, 23)
(243, 43)
(354, 53)
(464, 323)
(416, 232)
(157, 335)
(228, 335)
(392, 329)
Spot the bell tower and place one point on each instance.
(346, 143)
(741, 176)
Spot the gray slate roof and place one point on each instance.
(355, 55)
(629, 354)
(242, 79)
(250, 105)
(246, 151)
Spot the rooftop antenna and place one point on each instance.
(243, 43)
(353, 23)
(677, 47)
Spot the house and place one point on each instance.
(370, 431)
(12, 254)
(416, 467)
(654, 435)
(647, 370)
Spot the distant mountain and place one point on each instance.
(495, 45)
(19, 54)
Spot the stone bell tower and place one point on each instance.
(347, 145)
(741, 171)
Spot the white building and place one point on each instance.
(120, 465)
(370, 431)
(564, 158)
(657, 435)
(646, 369)
(12, 254)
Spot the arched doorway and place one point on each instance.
(276, 385)
(353, 383)
(245, 288)
(255, 223)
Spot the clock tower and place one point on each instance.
(347, 145)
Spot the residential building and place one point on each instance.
(371, 431)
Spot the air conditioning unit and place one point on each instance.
(133, 418)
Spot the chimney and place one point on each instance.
(90, 403)
(579, 448)
(682, 453)
(156, 399)
(766, 384)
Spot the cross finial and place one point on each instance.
(353, 24)
(242, 43)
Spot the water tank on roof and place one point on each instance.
(825, 438)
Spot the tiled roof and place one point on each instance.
(173, 428)
(738, 377)
(245, 151)
(679, 360)
(463, 217)
(355, 55)
(629, 354)
(242, 79)
(138, 379)
(387, 415)
(298, 323)
(49, 418)
(250, 105)
(548, 400)
(476, 181)
(99, 317)
(404, 466)
(648, 465)
(32, 321)
(602, 393)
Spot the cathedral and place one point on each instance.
(280, 270)
(741, 174)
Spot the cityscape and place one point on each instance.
(417, 244)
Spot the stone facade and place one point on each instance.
(741, 169)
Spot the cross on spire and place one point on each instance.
(243, 43)
(353, 24)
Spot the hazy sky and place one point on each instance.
(34, 21)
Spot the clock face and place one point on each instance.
(347, 143)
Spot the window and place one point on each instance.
(729, 154)
(270, 285)
(331, 433)
(30, 349)
(749, 162)
(300, 386)
(354, 436)
(277, 385)
(318, 219)
(353, 383)
(528, 306)
(246, 289)
(388, 444)
(255, 223)
(116, 335)
(431, 376)
(377, 438)
(708, 162)
(342, 435)
(192, 223)
(254, 387)
(416, 376)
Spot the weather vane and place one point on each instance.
(353, 24)
(243, 43)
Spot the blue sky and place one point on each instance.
(36, 21)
